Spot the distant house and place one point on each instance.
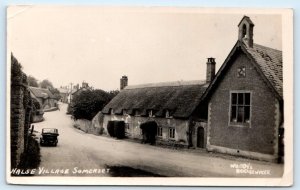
(64, 94)
(245, 100)
(237, 111)
(43, 96)
(76, 90)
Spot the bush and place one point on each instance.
(116, 129)
(31, 158)
(88, 103)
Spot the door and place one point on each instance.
(200, 137)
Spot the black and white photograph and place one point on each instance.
(100, 95)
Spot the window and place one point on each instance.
(171, 133)
(241, 72)
(240, 107)
(111, 111)
(159, 131)
(150, 113)
(127, 127)
(244, 30)
(167, 114)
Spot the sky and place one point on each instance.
(72, 44)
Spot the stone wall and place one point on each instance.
(19, 113)
(94, 127)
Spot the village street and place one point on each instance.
(107, 156)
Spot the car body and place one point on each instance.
(49, 136)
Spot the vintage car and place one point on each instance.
(49, 136)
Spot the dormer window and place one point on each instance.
(124, 112)
(112, 111)
(167, 114)
(150, 113)
(136, 112)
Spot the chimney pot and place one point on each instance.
(210, 69)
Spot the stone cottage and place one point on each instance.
(174, 106)
(245, 100)
(43, 96)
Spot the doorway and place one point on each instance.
(200, 137)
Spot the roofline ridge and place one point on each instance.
(166, 84)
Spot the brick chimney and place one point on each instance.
(123, 82)
(210, 69)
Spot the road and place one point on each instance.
(81, 154)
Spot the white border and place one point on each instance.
(287, 178)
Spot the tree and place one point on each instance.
(113, 93)
(55, 93)
(46, 84)
(88, 103)
(32, 81)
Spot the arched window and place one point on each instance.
(244, 32)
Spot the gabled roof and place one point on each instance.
(41, 92)
(179, 98)
(268, 62)
(248, 20)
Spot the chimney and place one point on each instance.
(85, 84)
(210, 69)
(123, 82)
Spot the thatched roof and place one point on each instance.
(179, 98)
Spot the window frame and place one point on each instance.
(150, 113)
(159, 131)
(239, 124)
(173, 133)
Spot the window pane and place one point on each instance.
(233, 113)
(240, 116)
(247, 114)
(247, 98)
(240, 98)
(233, 98)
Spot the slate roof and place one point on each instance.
(267, 60)
(179, 98)
(41, 92)
(270, 62)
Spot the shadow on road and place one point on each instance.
(125, 171)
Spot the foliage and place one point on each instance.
(31, 158)
(113, 93)
(55, 93)
(32, 81)
(88, 103)
(46, 84)
(16, 68)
